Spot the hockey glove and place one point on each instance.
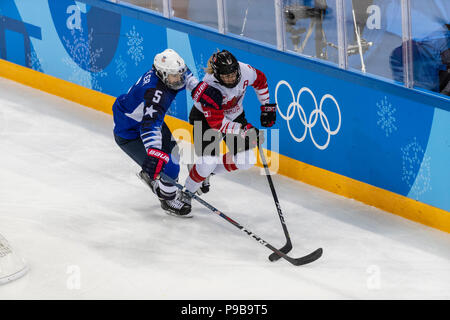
(207, 95)
(155, 162)
(251, 135)
(268, 114)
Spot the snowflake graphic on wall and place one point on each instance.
(200, 66)
(172, 109)
(135, 45)
(413, 160)
(83, 58)
(34, 62)
(121, 68)
(386, 119)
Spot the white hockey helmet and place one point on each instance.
(170, 68)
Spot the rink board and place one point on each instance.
(364, 138)
(338, 184)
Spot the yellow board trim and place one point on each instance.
(330, 181)
(65, 89)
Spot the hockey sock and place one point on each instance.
(166, 190)
(199, 172)
(242, 161)
(226, 164)
(194, 180)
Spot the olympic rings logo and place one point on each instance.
(310, 122)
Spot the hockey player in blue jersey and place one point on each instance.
(140, 130)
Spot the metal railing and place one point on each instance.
(282, 8)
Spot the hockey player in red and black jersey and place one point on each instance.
(227, 122)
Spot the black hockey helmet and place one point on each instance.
(224, 62)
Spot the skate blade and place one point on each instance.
(186, 216)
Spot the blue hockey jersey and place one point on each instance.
(141, 111)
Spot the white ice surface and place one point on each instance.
(71, 204)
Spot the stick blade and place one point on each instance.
(308, 258)
(287, 247)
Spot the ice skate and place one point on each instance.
(204, 188)
(179, 207)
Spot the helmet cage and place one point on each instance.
(223, 63)
(168, 63)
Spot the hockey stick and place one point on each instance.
(288, 246)
(296, 262)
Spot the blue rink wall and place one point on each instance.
(359, 127)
